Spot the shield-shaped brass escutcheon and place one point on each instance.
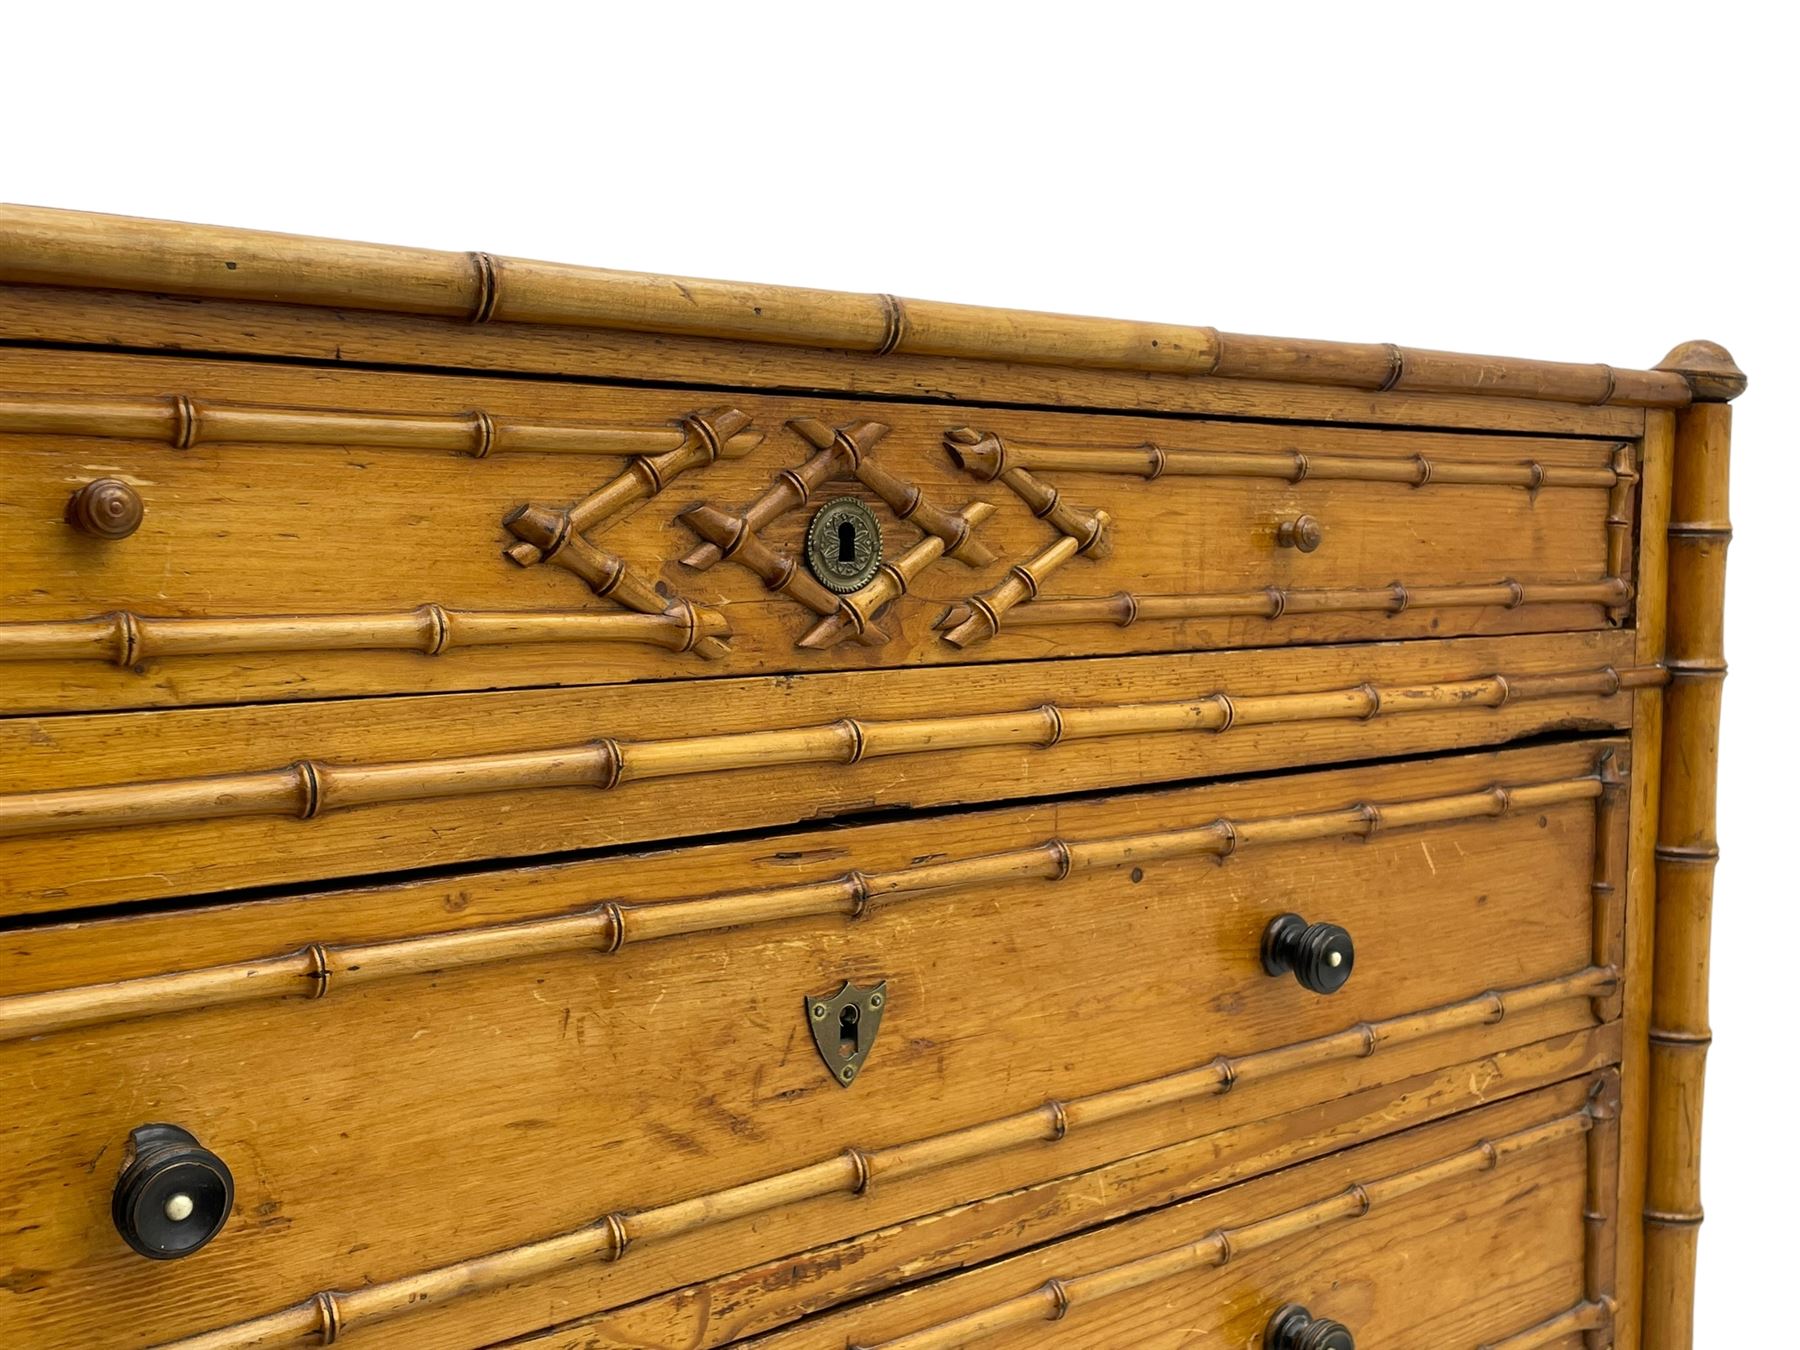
(844, 1026)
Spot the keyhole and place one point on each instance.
(847, 1021)
(847, 543)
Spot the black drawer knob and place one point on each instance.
(1294, 1328)
(173, 1196)
(1319, 955)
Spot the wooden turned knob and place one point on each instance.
(106, 508)
(173, 1196)
(1319, 955)
(1294, 1328)
(1303, 532)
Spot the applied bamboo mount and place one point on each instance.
(44, 247)
(1686, 845)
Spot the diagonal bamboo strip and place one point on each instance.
(706, 438)
(988, 457)
(853, 1171)
(1585, 1316)
(184, 422)
(835, 450)
(892, 580)
(1057, 1298)
(308, 788)
(980, 616)
(126, 638)
(966, 447)
(605, 928)
(1125, 608)
(45, 247)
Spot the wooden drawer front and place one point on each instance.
(1062, 987)
(1463, 1234)
(180, 801)
(320, 532)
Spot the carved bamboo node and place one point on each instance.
(1373, 695)
(981, 454)
(1402, 598)
(1228, 834)
(186, 419)
(1278, 602)
(1505, 692)
(320, 974)
(1498, 1002)
(1490, 1156)
(1223, 1250)
(618, 1235)
(613, 914)
(1054, 720)
(1370, 814)
(894, 331)
(1063, 857)
(311, 790)
(1059, 1299)
(482, 427)
(860, 893)
(1227, 1074)
(1424, 471)
(1227, 710)
(487, 287)
(861, 1164)
(1502, 799)
(1368, 1039)
(1059, 1120)
(331, 1318)
(856, 739)
(129, 637)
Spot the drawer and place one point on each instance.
(178, 802)
(630, 1042)
(1464, 1234)
(185, 531)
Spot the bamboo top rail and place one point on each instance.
(47, 247)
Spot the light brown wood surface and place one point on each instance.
(367, 614)
(626, 1037)
(1469, 1260)
(220, 850)
(317, 517)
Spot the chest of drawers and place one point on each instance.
(565, 808)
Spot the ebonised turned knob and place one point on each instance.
(173, 1196)
(1294, 1328)
(1304, 533)
(1319, 955)
(105, 508)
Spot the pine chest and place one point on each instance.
(572, 809)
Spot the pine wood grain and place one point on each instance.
(399, 517)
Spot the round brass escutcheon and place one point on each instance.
(843, 545)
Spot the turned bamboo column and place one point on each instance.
(1686, 850)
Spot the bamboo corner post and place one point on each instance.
(1686, 847)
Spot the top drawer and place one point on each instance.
(180, 530)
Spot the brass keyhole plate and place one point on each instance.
(843, 545)
(844, 1026)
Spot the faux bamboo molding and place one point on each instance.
(44, 247)
(989, 457)
(1124, 608)
(1058, 1298)
(306, 789)
(1595, 1319)
(1686, 845)
(329, 1313)
(706, 438)
(125, 638)
(318, 967)
(183, 422)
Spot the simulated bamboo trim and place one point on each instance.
(980, 616)
(855, 1170)
(606, 928)
(1600, 1207)
(892, 580)
(183, 422)
(988, 456)
(1596, 1319)
(44, 247)
(1124, 608)
(307, 789)
(1065, 1295)
(1686, 844)
(1607, 888)
(125, 638)
(706, 438)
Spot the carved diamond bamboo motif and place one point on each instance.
(1079, 532)
(560, 536)
(837, 451)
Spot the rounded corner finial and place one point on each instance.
(1709, 370)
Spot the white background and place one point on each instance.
(1590, 183)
